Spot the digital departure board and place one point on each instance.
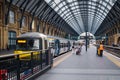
(21, 41)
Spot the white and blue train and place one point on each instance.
(59, 45)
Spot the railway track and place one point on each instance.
(113, 50)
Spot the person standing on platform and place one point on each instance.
(73, 49)
(101, 48)
(7, 47)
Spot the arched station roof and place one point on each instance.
(73, 16)
(82, 15)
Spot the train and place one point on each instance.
(59, 45)
(34, 41)
(30, 41)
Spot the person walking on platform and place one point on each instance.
(79, 49)
(101, 48)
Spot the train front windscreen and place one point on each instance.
(27, 44)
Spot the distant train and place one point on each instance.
(90, 38)
(83, 41)
(33, 41)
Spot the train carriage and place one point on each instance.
(30, 41)
(59, 45)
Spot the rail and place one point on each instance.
(25, 65)
(113, 50)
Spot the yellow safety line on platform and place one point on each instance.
(61, 59)
(113, 58)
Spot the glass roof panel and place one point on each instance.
(63, 9)
(57, 1)
(72, 8)
(53, 4)
(104, 3)
(60, 5)
(56, 9)
(69, 1)
(77, 12)
(48, 1)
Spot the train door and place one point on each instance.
(41, 44)
(12, 39)
(44, 44)
(44, 52)
(57, 47)
(61, 47)
(65, 46)
(68, 45)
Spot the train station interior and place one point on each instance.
(59, 39)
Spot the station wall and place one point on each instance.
(9, 32)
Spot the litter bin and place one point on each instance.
(3, 74)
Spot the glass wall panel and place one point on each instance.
(11, 16)
(12, 39)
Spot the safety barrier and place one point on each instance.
(15, 67)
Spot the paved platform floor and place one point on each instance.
(87, 66)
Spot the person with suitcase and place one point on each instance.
(100, 50)
(78, 50)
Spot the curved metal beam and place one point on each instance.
(81, 11)
(80, 4)
(90, 10)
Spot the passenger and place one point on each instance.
(78, 51)
(101, 48)
(73, 49)
(51, 49)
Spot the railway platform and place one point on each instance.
(5, 52)
(87, 66)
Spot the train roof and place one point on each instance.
(32, 35)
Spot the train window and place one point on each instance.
(36, 44)
(46, 44)
(64, 45)
(30, 43)
(33, 43)
(61, 45)
(21, 46)
(24, 21)
(11, 16)
(40, 45)
(51, 45)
